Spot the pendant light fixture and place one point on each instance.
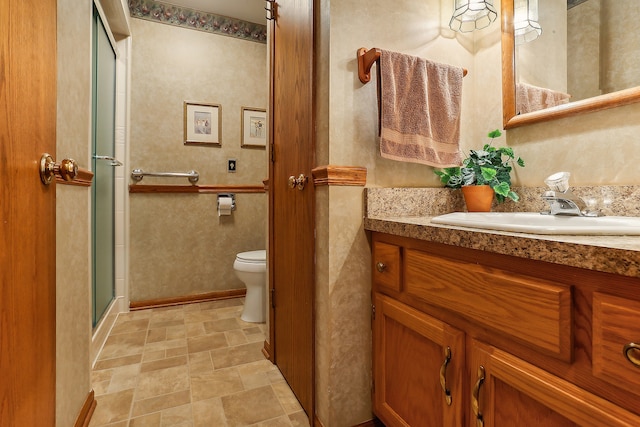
(525, 21)
(469, 15)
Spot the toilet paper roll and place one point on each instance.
(224, 205)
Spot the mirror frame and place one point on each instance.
(509, 117)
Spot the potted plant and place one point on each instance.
(488, 169)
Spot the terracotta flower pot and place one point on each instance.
(478, 197)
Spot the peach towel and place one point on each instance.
(533, 98)
(420, 110)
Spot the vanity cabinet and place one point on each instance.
(463, 337)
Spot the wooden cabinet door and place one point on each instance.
(411, 377)
(507, 391)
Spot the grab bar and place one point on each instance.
(138, 174)
(113, 160)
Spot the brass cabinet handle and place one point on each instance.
(66, 169)
(443, 375)
(381, 267)
(632, 353)
(475, 405)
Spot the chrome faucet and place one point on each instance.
(561, 200)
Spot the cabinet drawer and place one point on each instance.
(527, 309)
(386, 266)
(616, 323)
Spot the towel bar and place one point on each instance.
(138, 174)
(366, 58)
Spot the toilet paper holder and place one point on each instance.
(228, 195)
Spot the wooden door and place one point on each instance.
(508, 391)
(418, 365)
(291, 210)
(27, 213)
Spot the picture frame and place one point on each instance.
(253, 127)
(202, 124)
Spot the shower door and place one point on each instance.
(102, 197)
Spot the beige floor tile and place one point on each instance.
(251, 406)
(156, 335)
(209, 413)
(255, 374)
(160, 403)
(118, 424)
(163, 363)
(112, 408)
(125, 344)
(185, 366)
(179, 416)
(286, 397)
(215, 384)
(233, 356)
(299, 419)
(166, 345)
(100, 388)
(156, 383)
(177, 351)
(228, 312)
(195, 329)
(176, 332)
(275, 422)
(200, 363)
(206, 342)
(236, 337)
(199, 316)
(117, 361)
(221, 325)
(124, 378)
(150, 355)
(151, 420)
(124, 325)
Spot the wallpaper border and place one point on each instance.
(152, 10)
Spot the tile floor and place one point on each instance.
(193, 365)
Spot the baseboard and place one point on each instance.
(187, 299)
(371, 423)
(84, 417)
(266, 350)
(375, 422)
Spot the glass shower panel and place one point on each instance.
(103, 204)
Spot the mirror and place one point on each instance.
(514, 115)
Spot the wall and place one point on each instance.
(179, 246)
(347, 128)
(73, 207)
(597, 148)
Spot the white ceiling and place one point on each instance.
(247, 10)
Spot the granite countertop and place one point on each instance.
(610, 254)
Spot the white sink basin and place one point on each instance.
(534, 222)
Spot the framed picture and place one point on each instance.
(202, 123)
(254, 127)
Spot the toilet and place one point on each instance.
(251, 268)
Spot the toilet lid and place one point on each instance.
(253, 256)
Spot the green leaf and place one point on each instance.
(520, 162)
(494, 134)
(502, 189)
(488, 174)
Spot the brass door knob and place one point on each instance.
(67, 169)
(298, 182)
